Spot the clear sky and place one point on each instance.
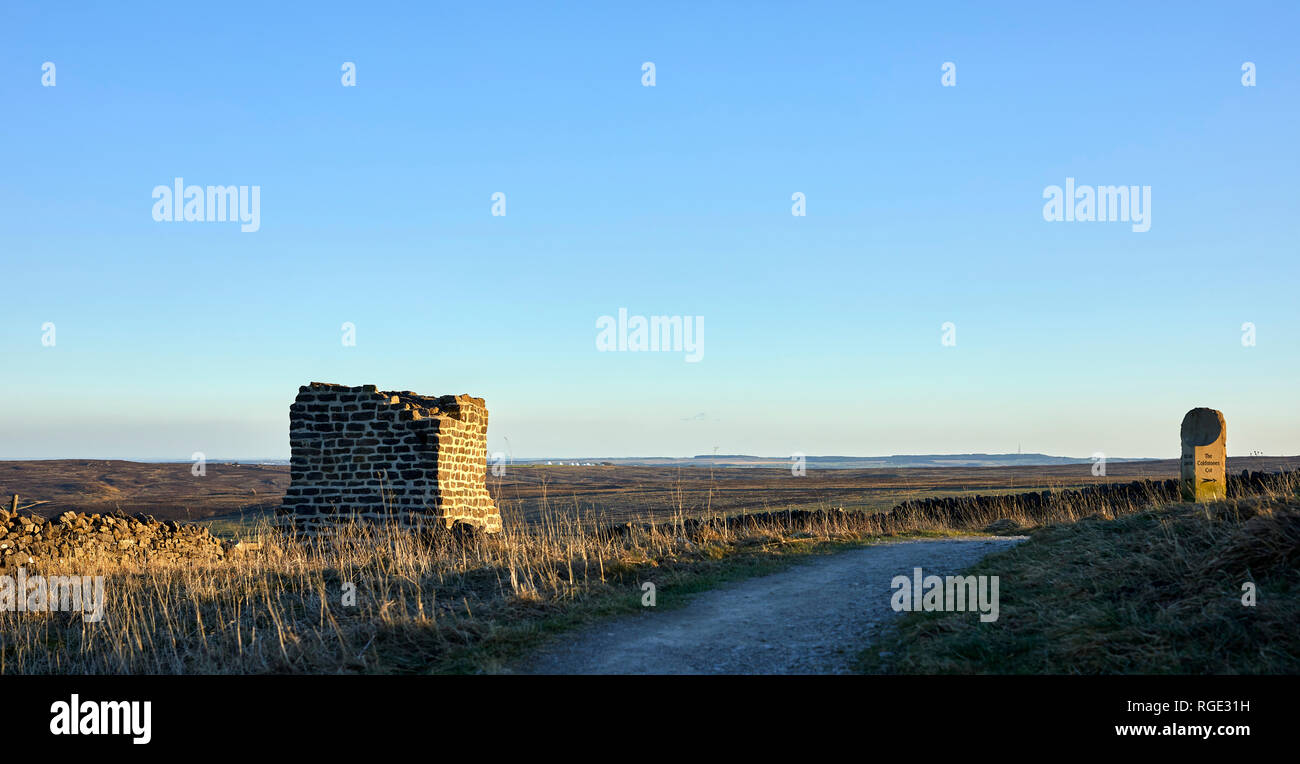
(822, 333)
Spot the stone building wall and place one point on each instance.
(361, 453)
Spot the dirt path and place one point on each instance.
(810, 619)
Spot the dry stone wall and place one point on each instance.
(359, 453)
(26, 539)
(1138, 494)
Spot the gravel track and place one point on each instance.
(812, 618)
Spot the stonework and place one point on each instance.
(1203, 470)
(28, 539)
(359, 453)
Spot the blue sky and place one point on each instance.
(822, 332)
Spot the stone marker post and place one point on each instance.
(1204, 467)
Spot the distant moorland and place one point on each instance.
(898, 461)
(240, 492)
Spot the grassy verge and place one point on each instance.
(372, 599)
(1157, 591)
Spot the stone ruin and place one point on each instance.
(415, 460)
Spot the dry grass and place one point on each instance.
(428, 602)
(423, 602)
(1155, 592)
